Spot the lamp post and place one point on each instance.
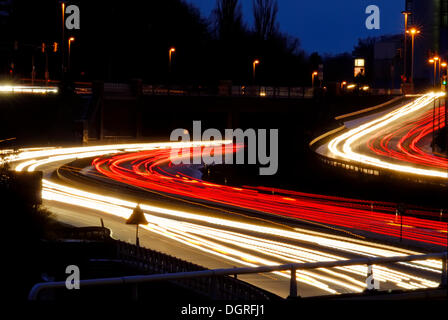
(170, 54)
(434, 62)
(254, 66)
(314, 74)
(70, 40)
(413, 32)
(439, 78)
(442, 65)
(63, 38)
(406, 17)
(437, 61)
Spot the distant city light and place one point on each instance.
(27, 89)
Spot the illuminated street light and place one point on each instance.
(434, 61)
(413, 32)
(254, 67)
(314, 74)
(70, 40)
(170, 53)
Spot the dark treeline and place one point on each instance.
(121, 40)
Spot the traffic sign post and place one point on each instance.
(137, 217)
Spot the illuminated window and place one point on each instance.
(360, 62)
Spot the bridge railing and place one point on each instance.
(213, 274)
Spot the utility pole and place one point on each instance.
(63, 41)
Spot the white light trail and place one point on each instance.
(214, 236)
(342, 145)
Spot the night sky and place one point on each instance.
(326, 26)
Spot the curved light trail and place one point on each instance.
(246, 243)
(405, 155)
(409, 145)
(153, 171)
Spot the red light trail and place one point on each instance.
(152, 170)
(408, 145)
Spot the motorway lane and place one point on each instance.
(386, 142)
(82, 218)
(153, 171)
(278, 285)
(225, 242)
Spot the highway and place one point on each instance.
(214, 237)
(398, 141)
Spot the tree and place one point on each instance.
(315, 60)
(265, 18)
(228, 19)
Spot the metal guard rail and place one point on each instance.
(292, 267)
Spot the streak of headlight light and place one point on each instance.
(107, 208)
(40, 153)
(36, 164)
(355, 134)
(124, 214)
(190, 216)
(355, 246)
(257, 245)
(223, 251)
(294, 251)
(240, 242)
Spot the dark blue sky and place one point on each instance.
(326, 26)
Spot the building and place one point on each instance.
(431, 17)
(387, 65)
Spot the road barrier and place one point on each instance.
(216, 285)
(151, 262)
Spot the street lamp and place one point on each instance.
(315, 73)
(63, 37)
(70, 40)
(406, 17)
(413, 32)
(254, 65)
(170, 53)
(434, 61)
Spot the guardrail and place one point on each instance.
(156, 262)
(292, 267)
